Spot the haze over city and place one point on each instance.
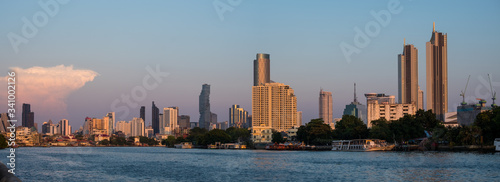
(92, 54)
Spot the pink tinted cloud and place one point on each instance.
(46, 88)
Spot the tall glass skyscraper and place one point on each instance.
(155, 118)
(408, 75)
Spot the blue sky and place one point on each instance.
(119, 39)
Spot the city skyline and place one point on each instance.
(294, 64)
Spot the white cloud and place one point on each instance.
(46, 88)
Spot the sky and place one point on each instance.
(85, 58)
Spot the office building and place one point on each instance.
(437, 73)
(261, 70)
(237, 116)
(64, 127)
(137, 127)
(384, 106)
(28, 117)
(420, 104)
(408, 75)
(466, 114)
(155, 118)
(299, 118)
(143, 113)
(111, 122)
(356, 108)
(184, 121)
(204, 107)
(325, 106)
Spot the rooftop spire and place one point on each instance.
(404, 41)
(433, 26)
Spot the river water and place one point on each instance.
(166, 164)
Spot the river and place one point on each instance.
(166, 164)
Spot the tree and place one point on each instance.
(196, 135)
(216, 135)
(489, 122)
(170, 141)
(119, 141)
(381, 130)
(143, 140)
(427, 119)
(350, 127)
(316, 132)
(277, 137)
(104, 142)
(470, 135)
(406, 128)
(3, 142)
(238, 134)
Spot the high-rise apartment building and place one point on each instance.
(64, 127)
(137, 127)
(408, 75)
(325, 106)
(437, 73)
(274, 107)
(261, 70)
(111, 122)
(204, 107)
(169, 123)
(237, 116)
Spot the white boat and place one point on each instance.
(184, 145)
(361, 145)
(497, 144)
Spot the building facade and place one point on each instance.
(326, 106)
(155, 118)
(274, 107)
(169, 122)
(384, 106)
(28, 117)
(142, 113)
(356, 108)
(437, 73)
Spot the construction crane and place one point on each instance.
(463, 92)
(493, 94)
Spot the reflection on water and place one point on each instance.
(163, 164)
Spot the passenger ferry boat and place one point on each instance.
(361, 145)
(184, 145)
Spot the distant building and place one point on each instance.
(28, 117)
(356, 108)
(466, 114)
(49, 128)
(408, 75)
(169, 123)
(237, 116)
(155, 118)
(437, 73)
(384, 106)
(204, 107)
(124, 127)
(64, 127)
(149, 131)
(249, 122)
(111, 122)
(450, 119)
(143, 113)
(137, 127)
(274, 106)
(222, 125)
(325, 106)
(184, 122)
(194, 124)
(299, 118)
(213, 118)
(420, 104)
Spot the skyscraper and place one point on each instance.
(261, 70)
(204, 107)
(155, 118)
(325, 106)
(420, 104)
(237, 116)
(28, 117)
(274, 107)
(137, 127)
(408, 75)
(356, 108)
(143, 113)
(111, 122)
(169, 120)
(437, 73)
